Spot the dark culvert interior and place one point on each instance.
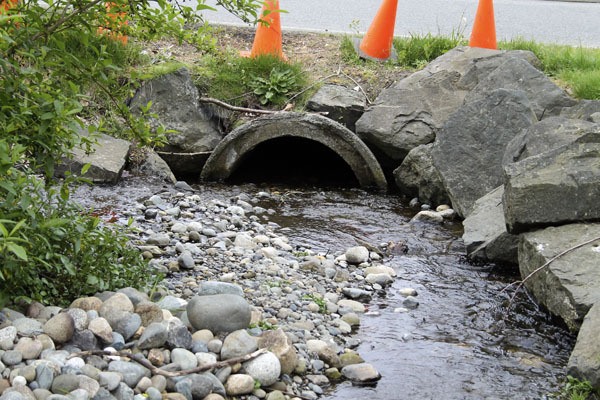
(294, 161)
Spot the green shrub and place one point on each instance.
(56, 252)
(576, 389)
(245, 81)
(56, 75)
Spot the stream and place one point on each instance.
(465, 340)
(462, 342)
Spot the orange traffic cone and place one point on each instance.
(267, 40)
(115, 21)
(6, 5)
(377, 42)
(484, 28)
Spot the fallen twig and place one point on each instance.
(535, 271)
(236, 108)
(140, 359)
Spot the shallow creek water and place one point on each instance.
(461, 342)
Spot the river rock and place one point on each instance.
(178, 336)
(149, 312)
(584, 362)
(87, 303)
(186, 260)
(7, 337)
(155, 335)
(60, 328)
(352, 305)
(207, 288)
(219, 313)
(379, 279)
(361, 373)
(428, 216)
(28, 326)
(131, 372)
(556, 187)
(281, 345)
(469, 149)
(239, 384)
(127, 325)
(264, 368)
(238, 343)
(357, 255)
(29, 348)
(567, 286)
(324, 351)
(110, 380)
(485, 234)
(184, 358)
(101, 328)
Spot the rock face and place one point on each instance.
(567, 287)
(175, 100)
(339, 103)
(546, 98)
(485, 234)
(584, 362)
(469, 149)
(411, 112)
(546, 135)
(107, 160)
(557, 187)
(219, 313)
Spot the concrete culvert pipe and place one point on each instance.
(227, 156)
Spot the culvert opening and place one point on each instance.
(293, 161)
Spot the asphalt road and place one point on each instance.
(573, 23)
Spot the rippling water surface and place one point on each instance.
(462, 342)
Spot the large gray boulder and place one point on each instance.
(546, 135)
(411, 112)
(107, 160)
(570, 284)
(469, 149)
(556, 187)
(152, 165)
(417, 176)
(339, 103)
(219, 312)
(546, 98)
(485, 235)
(175, 101)
(588, 110)
(584, 362)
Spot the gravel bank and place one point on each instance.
(243, 313)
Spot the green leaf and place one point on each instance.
(17, 250)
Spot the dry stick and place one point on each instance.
(360, 87)
(535, 271)
(140, 359)
(314, 84)
(235, 108)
